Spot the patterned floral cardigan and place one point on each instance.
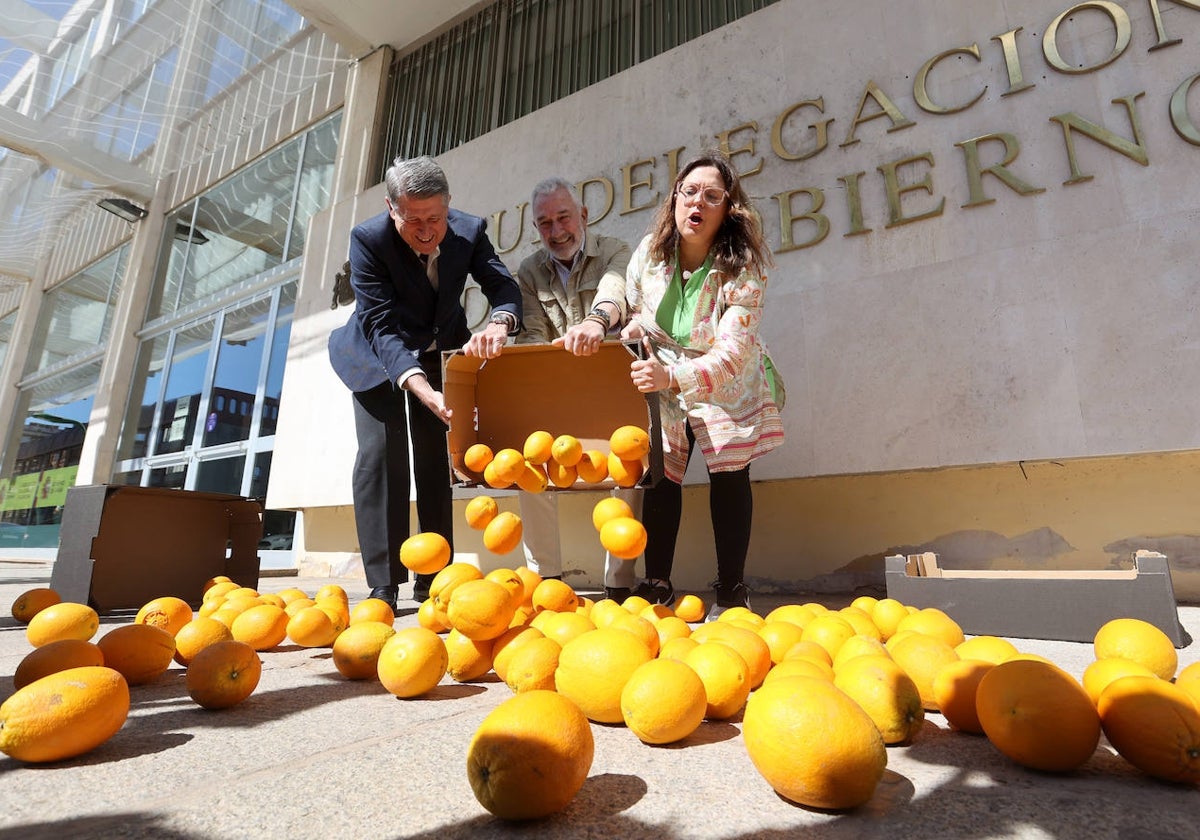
(724, 391)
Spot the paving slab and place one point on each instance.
(312, 754)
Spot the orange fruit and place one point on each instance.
(311, 627)
(505, 646)
(480, 609)
(592, 467)
(987, 649)
(603, 612)
(671, 627)
(331, 590)
(492, 478)
(223, 674)
(836, 770)
(922, 657)
(1139, 641)
(291, 609)
(214, 580)
(372, 609)
(292, 594)
(1037, 715)
(467, 659)
(677, 648)
(424, 553)
(561, 475)
(537, 447)
(477, 457)
(167, 613)
(866, 603)
(780, 636)
(690, 608)
(356, 649)
(623, 537)
(533, 479)
(64, 620)
(887, 615)
(801, 668)
(508, 465)
(141, 653)
(747, 643)
(530, 756)
(933, 622)
(797, 614)
(262, 627)
(532, 666)
(250, 592)
(480, 511)
(809, 650)
(859, 646)
(663, 701)
(1155, 726)
(640, 628)
(219, 588)
(608, 508)
(429, 617)
(887, 694)
(33, 601)
(531, 579)
(861, 622)
(566, 450)
(725, 675)
(510, 580)
(412, 662)
(624, 473)
(1098, 675)
(829, 630)
(555, 595)
(503, 533)
(272, 599)
(629, 443)
(198, 634)
(447, 579)
(562, 627)
(1189, 680)
(64, 714)
(54, 657)
(593, 669)
(955, 689)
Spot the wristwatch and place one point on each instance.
(506, 318)
(601, 313)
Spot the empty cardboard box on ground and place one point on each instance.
(123, 546)
(532, 387)
(1065, 605)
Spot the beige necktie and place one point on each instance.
(430, 261)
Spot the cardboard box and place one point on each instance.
(1066, 605)
(529, 387)
(123, 546)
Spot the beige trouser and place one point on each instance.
(543, 548)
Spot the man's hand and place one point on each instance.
(435, 401)
(488, 342)
(583, 339)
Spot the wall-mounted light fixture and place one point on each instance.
(122, 207)
(187, 233)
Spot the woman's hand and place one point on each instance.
(649, 374)
(633, 331)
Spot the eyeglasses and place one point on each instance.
(711, 195)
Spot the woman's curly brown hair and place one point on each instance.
(739, 243)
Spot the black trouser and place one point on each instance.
(731, 505)
(382, 474)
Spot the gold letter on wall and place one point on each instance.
(1135, 151)
(975, 172)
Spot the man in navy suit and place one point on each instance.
(408, 267)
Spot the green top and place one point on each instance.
(678, 307)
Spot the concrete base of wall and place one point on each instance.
(831, 534)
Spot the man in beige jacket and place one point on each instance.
(573, 290)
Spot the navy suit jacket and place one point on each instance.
(397, 314)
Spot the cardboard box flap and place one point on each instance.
(531, 387)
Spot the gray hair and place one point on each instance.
(551, 185)
(419, 177)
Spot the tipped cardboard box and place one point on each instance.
(1065, 605)
(531, 387)
(123, 546)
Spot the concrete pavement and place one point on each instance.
(312, 754)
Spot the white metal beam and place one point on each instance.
(26, 27)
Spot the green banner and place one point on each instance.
(22, 490)
(52, 492)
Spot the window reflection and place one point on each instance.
(184, 383)
(239, 360)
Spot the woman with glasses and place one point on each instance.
(695, 290)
